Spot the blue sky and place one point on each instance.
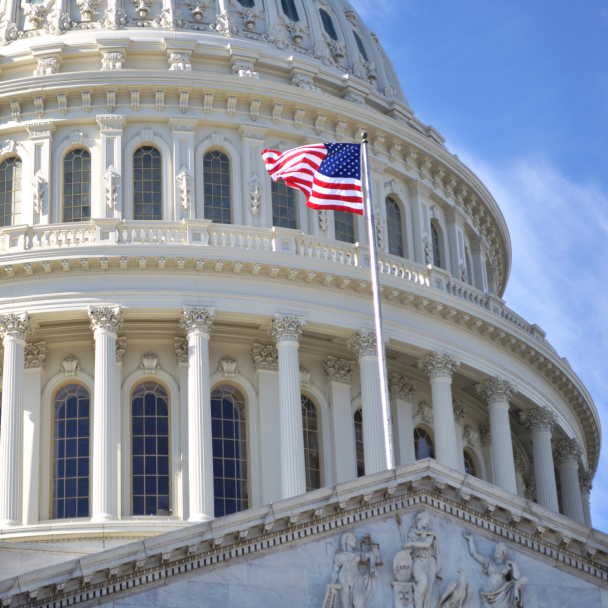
(520, 92)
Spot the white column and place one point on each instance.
(110, 129)
(105, 323)
(286, 331)
(14, 330)
(123, 459)
(585, 479)
(485, 433)
(566, 455)
(266, 363)
(198, 325)
(181, 354)
(440, 368)
(402, 392)
(339, 373)
(540, 426)
(35, 355)
(496, 392)
(363, 344)
(458, 410)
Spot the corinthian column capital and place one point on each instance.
(17, 327)
(567, 451)
(106, 319)
(199, 319)
(540, 420)
(496, 390)
(585, 480)
(438, 365)
(364, 344)
(286, 328)
(401, 388)
(338, 370)
(35, 355)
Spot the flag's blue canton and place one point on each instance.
(342, 160)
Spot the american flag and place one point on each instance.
(329, 174)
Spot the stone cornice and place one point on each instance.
(463, 500)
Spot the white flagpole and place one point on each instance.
(373, 261)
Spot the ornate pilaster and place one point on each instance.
(106, 322)
(111, 131)
(585, 479)
(14, 329)
(338, 370)
(197, 323)
(402, 393)
(497, 392)
(440, 368)
(566, 456)
(181, 350)
(265, 358)
(540, 422)
(401, 388)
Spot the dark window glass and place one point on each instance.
(77, 186)
(312, 456)
(359, 443)
(283, 205)
(360, 46)
(470, 466)
(344, 223)
(147, 184)
(289, 8)
(436, 246)
(229, 437)
(423, 444)
(247, 3)
(395, 228)
(10, 191)
(216, 177)
(71, 421)
(328, 24)
(150, 449)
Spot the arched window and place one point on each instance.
(77, 186)
(436, 246)
(328, 24)
(290, 10)
(344, 223)
(312, 455)
(359, 443)
(150, 447)
(395, 228)
(147, 184)
(10, 191)
(423, 444)
(216, 178)
(247, 3)
(470, 466)
(71, 424)
(360, 46)
(229, 437)
(284, 212)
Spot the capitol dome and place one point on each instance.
(184, 339)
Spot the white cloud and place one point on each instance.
(559, 277)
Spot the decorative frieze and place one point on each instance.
(35, 355)
(401, 388)
(181, 350)
(17, 326)
(286, 328)
(197, 319)
(438, 365)
(338, 370)
(265, 357)
(540, 420)
(106, 319)
(567, 451)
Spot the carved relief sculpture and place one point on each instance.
(197, 8)
(35, 14)
(255, 190)
(183, 184)
(428, 251)
(111, 178)
(38, 185)
(503, 586)
(456, 593)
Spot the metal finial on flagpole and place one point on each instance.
(373, 261)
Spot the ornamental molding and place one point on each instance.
(338, 370)
(149, 363)
(111, 179)
(197, 320)
(469, 436)
(39, 184)
(70, 366)
(35, 355)
(87, 8)
(425, 412)
(458, 410)
(585, 480)
(286, 328)
(496, 390)
(305, 377)
(112, 60)
(567, 452)
(540, 420)
(401, 388)
(255, 193)
(247, 131)
(121, 349)
(244, 69)
(485, 430)
(363, 344)
(265, 358)
(180, 62)
(228, 367)
(106, 319)
(184, 179)
(182, 124)
(438, 365)
(41, 129)
(520, 461)
(16, 326)
(181, 350)
(111, 122)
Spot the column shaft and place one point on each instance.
(446, 445)
(571, 492)
(402, 392)
(544, 473)
(502, 448)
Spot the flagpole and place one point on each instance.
(373, 261)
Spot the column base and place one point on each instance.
(200, 517)
(10, 523)
(103, 517)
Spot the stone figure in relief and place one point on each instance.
(456, 593)
(355, 586)
(503, 587)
